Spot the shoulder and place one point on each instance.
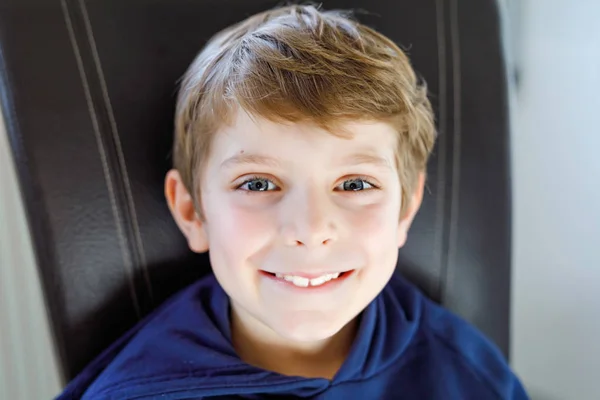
(149, 350)
(463, 352)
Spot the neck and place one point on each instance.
(263, 349)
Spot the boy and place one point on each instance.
(300, 151)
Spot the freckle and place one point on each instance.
(241, 151)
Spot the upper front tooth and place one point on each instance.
(319, 281)
(303, 282)
(300, 281)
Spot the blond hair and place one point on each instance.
(300, 63)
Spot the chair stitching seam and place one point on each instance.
(455, 207)
(121, 158)
(442, 143)
(102, 151)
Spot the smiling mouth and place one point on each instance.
(304, 282)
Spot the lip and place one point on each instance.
(330, 285)
(306, 275)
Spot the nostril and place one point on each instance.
(324, 242)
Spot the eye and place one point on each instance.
(356, 184)
(257, 184)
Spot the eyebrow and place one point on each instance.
(367, 158)
(250, 159)
(257, 159)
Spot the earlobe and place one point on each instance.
(198, 240)
(411, 212)
(401, 237)
(182, 207)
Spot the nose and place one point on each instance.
(308, 219)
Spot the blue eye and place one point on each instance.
(257, 184)
(356, 184)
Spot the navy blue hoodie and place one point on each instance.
(407, 347)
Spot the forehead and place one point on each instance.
(258, 136)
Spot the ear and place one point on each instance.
(184, 213)
(411, 211)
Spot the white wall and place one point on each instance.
(556, 173)
(28, 364)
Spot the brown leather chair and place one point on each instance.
(88, 93)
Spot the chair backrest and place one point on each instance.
(88, 93)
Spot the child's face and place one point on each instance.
(331, 205)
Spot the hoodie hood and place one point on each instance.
(185, 347)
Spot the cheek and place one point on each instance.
(237, 231)
(375, 231)
(377, 222)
